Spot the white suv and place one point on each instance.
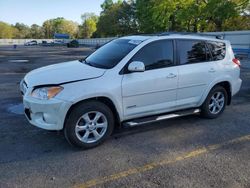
(130, 81)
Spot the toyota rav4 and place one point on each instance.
(131, 81)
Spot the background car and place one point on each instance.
(31, 43)
(73, 44)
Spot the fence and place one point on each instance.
(21, 41)
(94, 42)
(91, 42)
(240, 40)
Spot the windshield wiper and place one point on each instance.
(93, 64)
(86, 62)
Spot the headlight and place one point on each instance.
(46, 93)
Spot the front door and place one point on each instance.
(154, 90)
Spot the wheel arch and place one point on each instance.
(226, 85)
(107, 101)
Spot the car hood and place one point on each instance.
(62, 73)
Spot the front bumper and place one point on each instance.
(46, 114)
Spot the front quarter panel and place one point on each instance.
(109, 85)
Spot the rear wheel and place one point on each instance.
(89, 124)
(215, 103)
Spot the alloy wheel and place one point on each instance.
(216, 102)
(91, 127)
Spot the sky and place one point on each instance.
(37, 11)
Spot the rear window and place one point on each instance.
(192, 51)
(218, 50)
(111, 53)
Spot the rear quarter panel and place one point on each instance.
(226, 71)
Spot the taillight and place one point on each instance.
(236, 61)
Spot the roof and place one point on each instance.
(199, 36)
(137, 37)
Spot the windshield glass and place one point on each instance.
(111, 53)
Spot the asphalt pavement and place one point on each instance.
(185, 152)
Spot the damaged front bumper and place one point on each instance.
(46, 114)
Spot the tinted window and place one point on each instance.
(156, 55)
(218, 50)
(112, 53)
(192, 51)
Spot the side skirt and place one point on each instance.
(151, 119)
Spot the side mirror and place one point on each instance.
(136, 66)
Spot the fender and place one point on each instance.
(104, 86)
(224, 78)
(100, 95)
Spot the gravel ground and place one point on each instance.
(184, 152)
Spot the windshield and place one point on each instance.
(111, 53)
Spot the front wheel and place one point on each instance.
(215, 103)
(89, 124)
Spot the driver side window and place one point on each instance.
(155, 55)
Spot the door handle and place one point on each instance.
(212, 70)
(171, 75)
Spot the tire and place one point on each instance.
(82, 124)
(215, 103)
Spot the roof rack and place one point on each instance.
(190, 33)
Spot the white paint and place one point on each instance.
(150, 92)
(18, 61)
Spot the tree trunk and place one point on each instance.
(172, 23)
(218, 25)
(195, 26)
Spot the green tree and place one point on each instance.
(119, 19)
(88, 26)
(68, 27)
(22, 31)
(217, 12)
(128, 23)
(60, 25)
(48, 29)
(189, 15)
(159, 15)
(36, 31)
(6, 31)
(237, 23)
(145, 15)
(107, 4)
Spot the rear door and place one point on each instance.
(154, 90)
(196, 71)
